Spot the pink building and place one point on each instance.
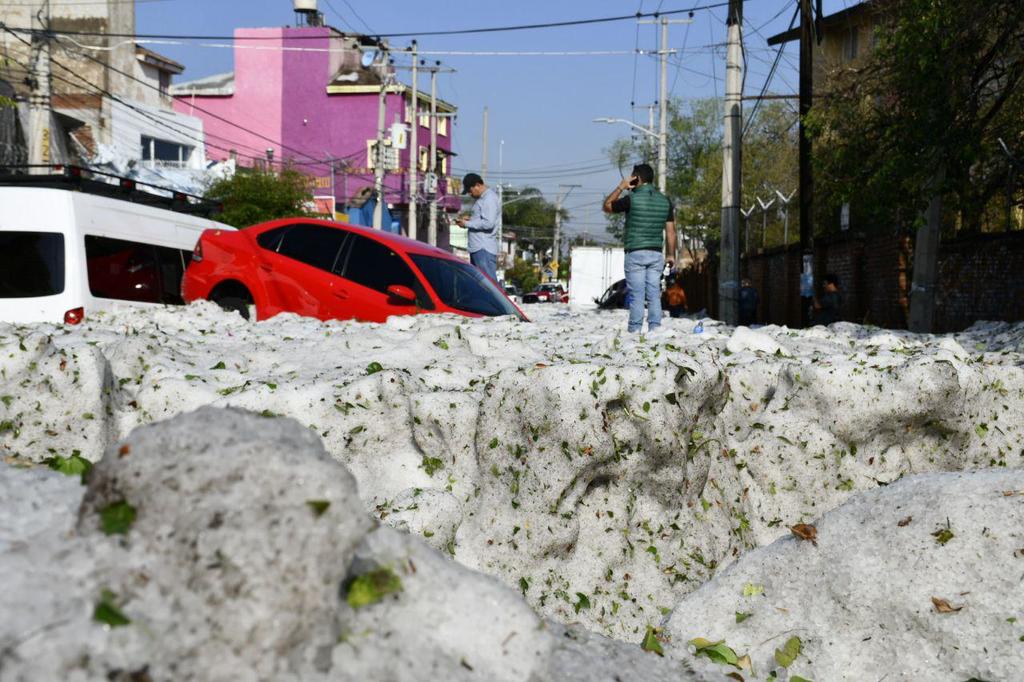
(302, 96)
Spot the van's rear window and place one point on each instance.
(31, 264)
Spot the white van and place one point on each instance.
(65, 254)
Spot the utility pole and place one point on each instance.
(483, 160)
(806, 179)
(39, 99)
(432, 193)
(729, 268)
(663, 53)
(412, 229)
(556, 251)
(378, 167)
(501, 202)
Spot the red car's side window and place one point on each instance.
(375, 266)
(314, 245)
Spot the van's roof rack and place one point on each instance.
(78, 178)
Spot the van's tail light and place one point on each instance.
(74, 316)
(197, 253)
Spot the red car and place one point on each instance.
(328, 270)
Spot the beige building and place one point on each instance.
(848, 36)
(110, 97)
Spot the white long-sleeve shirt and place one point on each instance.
(483, 223)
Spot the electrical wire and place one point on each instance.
(409, 34)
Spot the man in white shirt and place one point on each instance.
(482, 225)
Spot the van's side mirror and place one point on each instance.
(403, 293)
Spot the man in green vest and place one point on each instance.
(649, 219)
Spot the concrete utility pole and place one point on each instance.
(926, 262)
(483, 160)
(414, 147)
(378, 166)
(556, 251)
(806, 179)
(663, 53)
(729, 268)
(39, 98)
(432, 191)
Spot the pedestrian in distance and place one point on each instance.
(674, 298)
(826, 310)
(649, 224)
(482, 224)
(748, 303)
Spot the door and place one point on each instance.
(296, 265)
(369, 269)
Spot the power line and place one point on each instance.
(407, 34)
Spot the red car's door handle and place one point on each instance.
(341, 293)
(266, 267)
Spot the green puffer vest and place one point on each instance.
(645, 222)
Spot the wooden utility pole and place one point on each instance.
(732, 164)
(806, 179)
(412, 229)
(39, 98)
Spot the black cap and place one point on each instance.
(471, 180)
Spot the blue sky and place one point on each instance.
(541, 106)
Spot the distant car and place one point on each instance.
(513, 292)
(329, 270)
(614, 297)
(547, 293)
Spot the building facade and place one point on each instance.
(307, 97)
(110, 97)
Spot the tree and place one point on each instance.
(941, 87)
(531, 216)
(523, 274)
(694, 182)
(255, 196)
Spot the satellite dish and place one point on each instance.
(369, 57)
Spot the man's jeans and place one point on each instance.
(643, 277)
(486, 262)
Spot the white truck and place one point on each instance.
(593, 270)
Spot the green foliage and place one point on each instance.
(719, 651)
(789, 652)
(582, 602)
(532, 217)
(371, 587)
(694, 182)
(650, 641)
(318, 507)
(253, 196)
(117, 518)
(523, 274)
(107, 612)
(941, 86)
(75, 465)
(374, 367)
(432, 464)
(741, 616)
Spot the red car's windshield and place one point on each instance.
(463, 287)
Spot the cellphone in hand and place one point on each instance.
(634, 181)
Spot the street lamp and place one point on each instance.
(662, 145)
